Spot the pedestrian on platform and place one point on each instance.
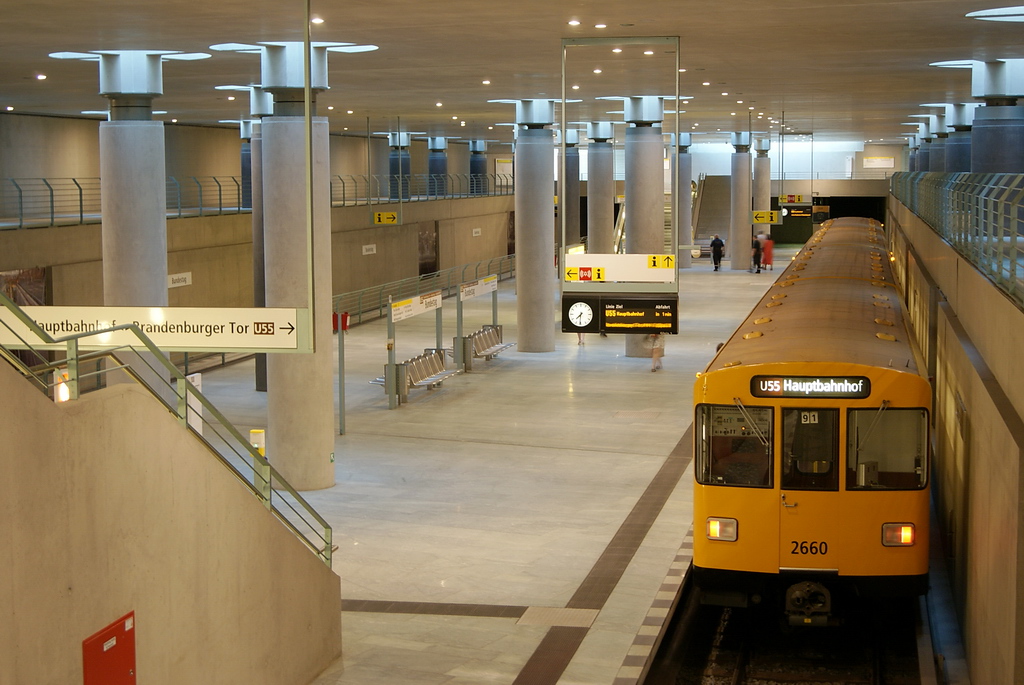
(755, 255)
(657, 341)
(717, 249)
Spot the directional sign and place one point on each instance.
(620, 313)
(764, 217)
(584, 273)
(789, 199)
(468, 291)
(638, 268)
(170, 328)
(415, 305)
(385, 217)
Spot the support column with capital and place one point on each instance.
(600, 188)
(740, 232)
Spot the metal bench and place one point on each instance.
(423, 371)
(487, 342)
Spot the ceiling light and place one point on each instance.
(724, 93)
(348, 111)
(732, 114)
(648, 52)
(597, 71)
(616, 50)
(231, 97)
(9, 108)
(739, 102)
(706, 83)
(486, 83)
(330, 107)
(462, 123)
(316, 20)
(600, 26)
(575, 87)
(681, 71)
(438, 104)
(574, 22)
(41, 77)
(999, 14)
(454, 118)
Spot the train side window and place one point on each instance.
(887, 449)
(810, 449)
(734, 445)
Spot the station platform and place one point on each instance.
(526, 522)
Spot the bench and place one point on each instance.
(487, 342)
(423, 371)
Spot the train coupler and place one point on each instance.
(808, 604)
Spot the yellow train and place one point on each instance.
(811, 444)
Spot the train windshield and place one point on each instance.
(887, 449)
(734, 445)
(810, 447)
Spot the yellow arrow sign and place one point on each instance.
(661, 261)
(385, 217)
(764, 217)
(786, 199)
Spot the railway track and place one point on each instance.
(875, 645)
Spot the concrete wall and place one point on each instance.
(44, 147)
(202, 151)
(974, 334)
(110, 507)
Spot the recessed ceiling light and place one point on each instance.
(462, 123)
(349, 111)
(706, 83)
(597, 71)
(616, 50)
(316, 20)
(490, 128)
(486, 83)
(574, 22)
(9, 108)
(330, 107)
(439, 104)
(739, 102)
(575, 87)
(174, 121)
(732, 114)
(600, 26)
(41, 77)
(454, 118)
(999, 14)
(231, 97)
(724, 93)
(681, 71)
(648, 52)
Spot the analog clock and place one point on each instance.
(580, 314)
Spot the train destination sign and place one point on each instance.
(848, 387)
(170, 328)
(617, 313)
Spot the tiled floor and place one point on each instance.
(524, 522)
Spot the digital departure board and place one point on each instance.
(850, 387)
(613, 313)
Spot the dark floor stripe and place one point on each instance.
(432, 608)
(608, 569)
(551, 657)
(558, 647)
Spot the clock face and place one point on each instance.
(580, 314)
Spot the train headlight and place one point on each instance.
(898, 534)
(722, 529)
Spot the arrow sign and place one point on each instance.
(571, 275)
(290, 328)
(764, 217)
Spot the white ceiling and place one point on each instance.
(842, 69)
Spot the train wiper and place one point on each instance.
(750, 420)
(871, 429)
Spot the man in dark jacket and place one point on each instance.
(717, 248)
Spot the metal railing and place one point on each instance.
(194, 411)
(372, 303)
(41, 202)
(980, 215)
(349, 190)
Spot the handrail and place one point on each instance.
(265, 482)
(371, 303)
(41, 202)
(980, 215)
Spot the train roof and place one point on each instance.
(836, 302)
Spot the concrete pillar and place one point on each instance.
(960, 117)
(536, 280)
(478, 184)
(437, 166)
(937, 153)
(645, 189)
(762, 177)
(740, 232)
(682, 175)
(997, 136)
(261, 103)
(924, 154)
(914, 146)
(600, 188)
(569, 192)
(399, 165)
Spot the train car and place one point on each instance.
(811, 440)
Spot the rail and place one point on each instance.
(193, 410)
(372, 303)
(980, 215)
(43, 202)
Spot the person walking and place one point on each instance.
(657, 350)
(717, 249)
(755, 254)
